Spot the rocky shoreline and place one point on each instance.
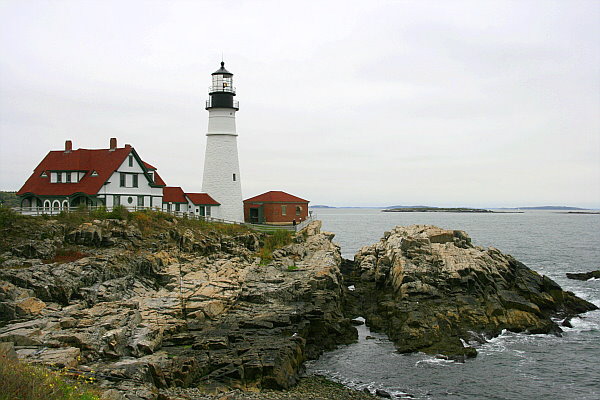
(191, 312)
(431, 290)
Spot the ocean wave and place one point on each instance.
(584, 324)
(431, 360)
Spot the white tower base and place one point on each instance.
(221, 179)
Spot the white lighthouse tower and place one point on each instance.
(221, 165)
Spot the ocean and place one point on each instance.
(511, 366)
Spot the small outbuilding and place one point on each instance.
(275, 208)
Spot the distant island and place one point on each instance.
(438, 209)
(552, 208)
(424, 208)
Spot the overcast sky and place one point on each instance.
(450, 103)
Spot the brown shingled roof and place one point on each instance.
(173, 194)
(276, 196)
(202, 199)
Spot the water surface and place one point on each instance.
(512, 366)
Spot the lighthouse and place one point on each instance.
(222, 178)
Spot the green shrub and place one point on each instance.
(273, 241)
(19, 380)
(118, 212)
(7, 217)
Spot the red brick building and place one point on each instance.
(275, 208)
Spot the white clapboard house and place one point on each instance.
(68, 178)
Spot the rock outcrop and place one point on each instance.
(584, 276)
(431, 290)
(179, 308)
(142, 310)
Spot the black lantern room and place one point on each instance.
(222, 91)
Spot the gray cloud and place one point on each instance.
(356, 103)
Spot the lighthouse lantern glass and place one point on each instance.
(222, 83)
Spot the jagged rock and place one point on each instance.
(430, 289)
(65, 357)
(180, 308)
(584, 276)
(29, 306)
(36, 249)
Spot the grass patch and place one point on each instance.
(217, 227)
(273, 241)
(23, 381)
(292, 268)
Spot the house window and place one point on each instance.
(169, 207)
(58, 177)
(177, 207)
(234, 177)
(208, 211)
(94, 173)
(140, 201)
(116, 200)
(131, 161)
(130, 200)
(135, 180)
(68, 180)
(283, 210)
(123, 179)
(298, 210)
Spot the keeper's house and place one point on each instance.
(275, 208)
(99, 177)
(105, 177)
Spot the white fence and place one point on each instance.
(37, 211)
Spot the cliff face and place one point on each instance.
(182, 307)
(431, 290)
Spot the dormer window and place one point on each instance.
(59, 177)
(44, 174)
(131, 161)
(94, 173)
(68, 180)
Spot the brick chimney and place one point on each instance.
(127, 146)
(113, 144)
(68, 146)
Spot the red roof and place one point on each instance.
(173, 194)
(103, 161)
(202, 199)
(276, 196)
(158, 180)
(148, 166)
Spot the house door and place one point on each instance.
(254, 215)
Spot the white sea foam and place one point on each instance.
(429, 360)
(584, 324)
